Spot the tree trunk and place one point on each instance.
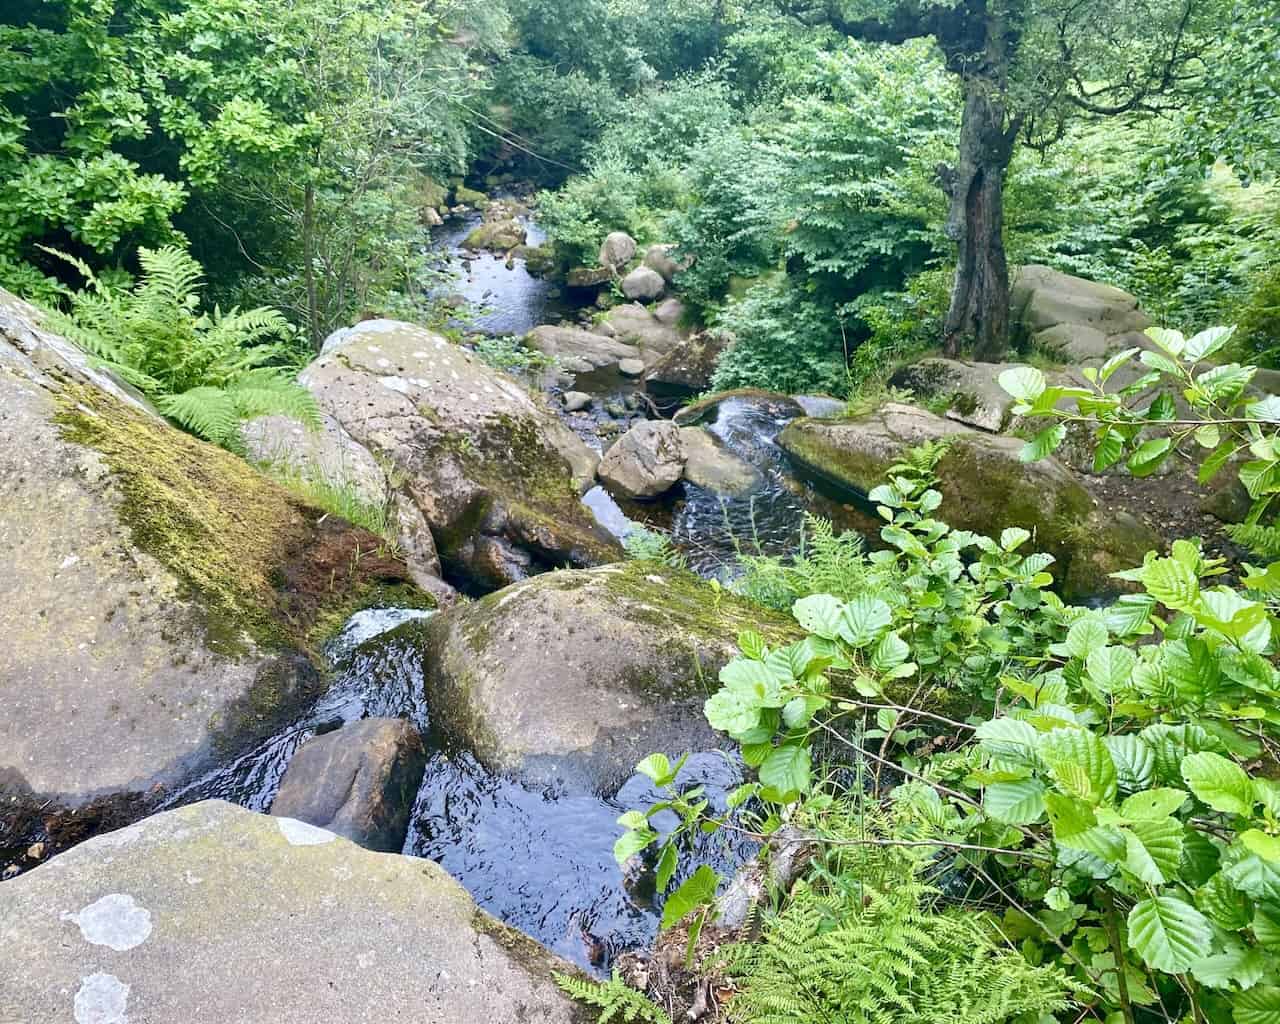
(978, 320)
(308, 264)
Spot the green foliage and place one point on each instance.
(207, 371)
(826, 562)
(338, 496)
(506, 353)
(652, 546)
(614, 998)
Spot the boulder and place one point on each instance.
(669, 312)
(686, 370)
(1073, 317)
(985, 487)
(970, 392)
(359, 782)
(214, 913)
(635, 325)
(709, 464)
(574, 676)
(464, 196)
(576, 401)
(497, 235)
(579, 351)
(495, 473)
(617, 250)
(631, 367)
(539, 260)
(588, 277)
(643, 283)
(658, 258)
(645, 461)
(159, 597)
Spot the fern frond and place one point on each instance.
(615, 999)
(269, 391)
(1263, 541)
(171, 276)
(207, 412)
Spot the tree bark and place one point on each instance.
(308, 264)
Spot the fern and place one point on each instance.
(208, 372)
(827, 563)
(862, 954)
(615, 999)
(1263, 541)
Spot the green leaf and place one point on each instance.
(799, 711)
(863, 620)
(1223, 904)
(1265, 846)
(1130, 614)
(1153, 850)
(1158, 362)
(1208, 436)
(1044, 443)
(1214, 461)
(1237, 966)
(1149, 456)
(1134, 760)
(1080, 763)
(656, 767)
(1115, 362)
(1109, 668)
(1206, 343)
(1085, 636)
(1024, 383)
(1257, 1005)
(1009, 739)
(666, 866)
(819, 614)
(1168, 339)
(1014, 803)
(632, 842)
(1013, 537)
(1218, 782)
(1173, 583)
(696, 891)
(1153, 804)
(1168, 934)
(887, 655)
(786, 770)
(732, 711)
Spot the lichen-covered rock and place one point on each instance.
(971, 392)
(645, 461)
(495, 474)
(577, 350)
(617, 250)
(497, 235)
(669, 311)
(575, 676)
(214, 913)
(985, 488)
(686, 370)
(158, 595)
(643, 283)
(709, 464)
(1080, 320)
(588, 277)
(358, 782)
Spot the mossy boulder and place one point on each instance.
(494, 472)
(161, 601)
(966, 392)
(496, 235)
(214, 913)
(985, 487)
(574, 676)
(635, 325)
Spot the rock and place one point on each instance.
(1071, 316)
(669, 312)
(1227, 500)
(464, 196)
(821, 406)
(539, 260)
(430, 216)
(577, 349)
(658, 258)
(214, 913)
(159, 596)
(971, 392)
(631, 367)
(575, 401)
(605, 328)
(643, 283)
(686, 370)
(331, 457)
(588, 277)
(485, 463)
(705, 410)
(985, 488)
(635, 325)
(615, 408)
(574, 676)
(617, 250)
(498, 235)
(359, 782)
(1073, 343)
(709, 464)
(647, 460)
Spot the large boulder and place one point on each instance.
(496, 474)
(970, 392)
(575, 676)
(709, 464)
(577, 350)
(214, 913)
(645, 461)
(358, 782)
(159, 597)
(643, 284)
(658, 258)
(985, 487)
(496, 235)
(617, 250)
(1077, 319)
(635, 325)
(686, 370)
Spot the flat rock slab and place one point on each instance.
(214, 913)
(577, 350)
(709, 464)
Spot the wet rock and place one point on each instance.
(617, 250)
(157, 923)
(686, 370)
(705, 409)
(575, 676)
(158, 595)
(635, 325)
(359, 782)
(615, 408)
(588, 277)
(1075, 318)
(644, 284)
(464, 196)
(430, 216)
(579, 350)
(659, 258)
(631, 367)
(821, 406)
(646, 461)
(539, 260)
(1227, 500)
(709, 464)
(485, 463)
(985, 488)
(575, 401)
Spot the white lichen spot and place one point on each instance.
(454, 374)
(474, 397)
(115, 921)
(299, 833)
(374, 349)
(419, 354)
(102, 999)
(69, 561)
(383, 363)
(396, 384)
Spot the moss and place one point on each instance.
(468, 196)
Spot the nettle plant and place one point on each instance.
(1107, 787)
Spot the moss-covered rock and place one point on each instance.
(497, 235)
(574, 676)
(985, 487)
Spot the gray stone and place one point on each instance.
(647, 460)
(485, 463)
(575, 401)
(635, 325)
(1075, 343)
(497, 235)
(574, 676)
(706, 410)
(971, 391)
(669, 312)
(1042, 297)
(1227, 500)
(686, 370)
(643, 283)
(617, 250)
(985, 487)
(588, 277)
(359, 781)
(573, 345)
(658, 258)
(709, 464)
(214, 913)
(631, 367)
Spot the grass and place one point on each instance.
(339, 498)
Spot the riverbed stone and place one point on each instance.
(985, 487)
(496, 235)
(686, 370)
(574, 676)
(646, 461)
(706, 409)
(644, 284)
(617, 250)
(969, 392)
(635, 325)
(669, 311)
(358, 781)
(158, 595)
(631, 367)
(588, 277)
(494, 471)
(709, 464)
(659, 258)
(215, 913)
(576, 401)
(578, 350)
